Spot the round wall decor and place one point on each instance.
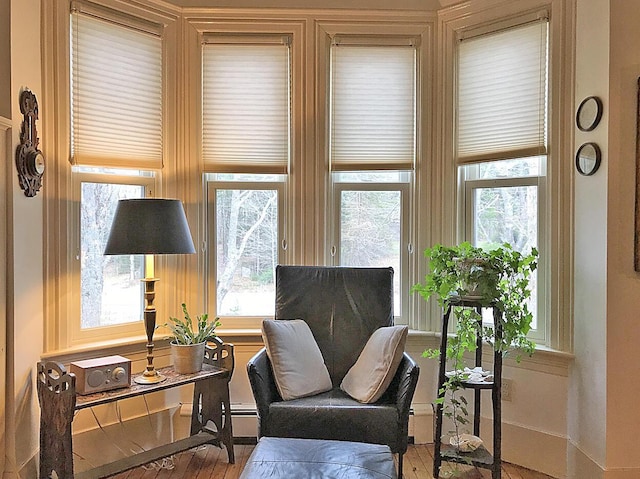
(588, 159)
(589, 113)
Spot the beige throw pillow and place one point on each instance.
(370, 376)
(296, 360)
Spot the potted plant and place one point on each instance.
(498, 277)
(188, 343)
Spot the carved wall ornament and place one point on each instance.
(29, 159)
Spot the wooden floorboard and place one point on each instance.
(210, 462)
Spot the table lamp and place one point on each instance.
(149, 226)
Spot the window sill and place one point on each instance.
(133, 348)
(544, 359)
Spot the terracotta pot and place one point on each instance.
(187, 358)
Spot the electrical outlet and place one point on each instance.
(507, 389)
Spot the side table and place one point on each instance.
(210, 418)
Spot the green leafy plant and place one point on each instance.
(498, 277)
(184, 333)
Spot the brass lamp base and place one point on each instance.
(150, 375)
(153, 378)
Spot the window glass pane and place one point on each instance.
(111, 290)
(508, 214)
(244, 177)
(370, 232)
(518, 168)
(246, 251)
(372, 176)
(112, 171)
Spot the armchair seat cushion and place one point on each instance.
(335, 415)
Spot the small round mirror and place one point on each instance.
(589, 113)
(588, 159)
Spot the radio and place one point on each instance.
(101, 374)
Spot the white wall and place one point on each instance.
(587, 395)
(25, 260)
(623, 283)
(5, 159)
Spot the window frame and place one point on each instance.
(405, 189)
(210, 259)
(76, 334)
(541, 334)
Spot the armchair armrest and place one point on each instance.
(407, 376)
(262, 384)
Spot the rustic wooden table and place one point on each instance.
(210, 418)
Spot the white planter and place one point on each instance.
(187, 358)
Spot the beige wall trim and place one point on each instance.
(538, 450)
(622, 473)
(580, 464)
(5, 159)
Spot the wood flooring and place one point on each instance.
(210, 462)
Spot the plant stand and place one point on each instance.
(481, 456)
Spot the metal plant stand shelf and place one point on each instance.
(481, 456)
(210, 418)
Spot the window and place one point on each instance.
(501, 145)
(111, 291)
(370, 224)
(116, 145)
(246, 133)
(246, 231)
(372, 153)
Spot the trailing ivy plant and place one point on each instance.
(183, 330)
(498, 277)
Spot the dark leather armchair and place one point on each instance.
(343, 307)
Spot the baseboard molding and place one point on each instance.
(537, 450)
(580, 464)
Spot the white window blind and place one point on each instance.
(502, 84)
(116, 106)
(246, 108)
(373, 107)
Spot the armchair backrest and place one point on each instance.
(343, 306)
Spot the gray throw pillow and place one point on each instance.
(370, 376)
(296, 360)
